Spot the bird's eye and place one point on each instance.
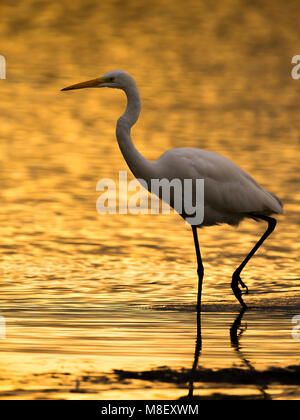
(110, 79)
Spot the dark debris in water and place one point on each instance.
(228, 307)
(286, 376)
(219, 396)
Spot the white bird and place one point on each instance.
(230, 194)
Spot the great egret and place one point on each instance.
(230, 194)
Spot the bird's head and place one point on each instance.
(117, 79)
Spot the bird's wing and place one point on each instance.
(227, 187)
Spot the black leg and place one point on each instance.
(236, 275)
(200, 271)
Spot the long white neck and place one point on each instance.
(139, 166)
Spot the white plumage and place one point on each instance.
(230, 194)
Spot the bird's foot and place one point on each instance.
(244, 292)
(236, 280)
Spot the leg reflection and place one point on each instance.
(236, 331)
(198, 349)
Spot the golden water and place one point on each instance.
(82, 294)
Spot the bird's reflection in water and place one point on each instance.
(236, 332)
(237, 378)
(198, 349)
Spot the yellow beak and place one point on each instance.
(88, 84)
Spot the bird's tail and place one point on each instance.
(280, 202)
